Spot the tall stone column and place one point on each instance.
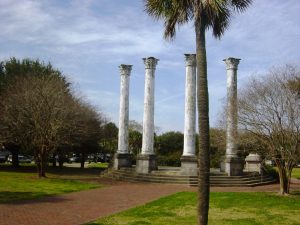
(233, 164)
(189, 159)
(146, 161)
(123, 158)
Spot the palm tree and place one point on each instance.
(206, 14)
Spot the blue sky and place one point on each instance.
(88, 39)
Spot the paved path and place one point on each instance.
(85, 206)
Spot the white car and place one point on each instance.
(21, 158)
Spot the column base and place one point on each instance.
(234, 166)
(146, 163)
(122, 160)
(189, 165)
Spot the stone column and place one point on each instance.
(146, 161)
(233, 164)
(123, 158)
(189, 159)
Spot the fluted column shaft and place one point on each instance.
(125, 71)
(190, 106)
(231, 123)
(148, 120)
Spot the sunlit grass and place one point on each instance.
(225, 209)
(26, 185)
(98, 165)
(296, 173)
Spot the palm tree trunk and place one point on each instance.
(203, 125)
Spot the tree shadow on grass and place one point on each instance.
(16, 198)
(295, 193)
(70, 171)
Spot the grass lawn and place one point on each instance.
(296, 173)
(98, 165)
(225, 209)
(23, 183)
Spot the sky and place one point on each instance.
(88, 39)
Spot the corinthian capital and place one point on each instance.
(150, 62)
(125, 69)
(232, 63)
(190, 59)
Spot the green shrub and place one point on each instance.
(271, 171)
(172, 159)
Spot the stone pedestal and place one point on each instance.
(122, 160)
(146, 163)
(189, 165)
(234, 166)
(253, 163)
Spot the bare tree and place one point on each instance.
(269, 109)
(88, 123)
(34, 114)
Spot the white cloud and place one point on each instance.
(88, 39)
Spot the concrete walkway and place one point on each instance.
(85, 206)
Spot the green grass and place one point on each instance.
(225, 209)
(98, 165)
(296, 173)
(23, 183)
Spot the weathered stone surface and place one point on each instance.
(122, 160)
(231, 122)
(125, 71)
(189, 165)
(190, 106)
(233, 164)
(253, 163)
(148, 120)
(146, 163)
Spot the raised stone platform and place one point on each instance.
(173, 175)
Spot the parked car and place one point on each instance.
(103, 157)
(3, 156)
(64, 158)
(21, 158)
(74, 159)
(91, 158)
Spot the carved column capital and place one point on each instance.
(232, 63)
(125, 69)
(150, 62)
(190, 59)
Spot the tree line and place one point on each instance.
(41, 115)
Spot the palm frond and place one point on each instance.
(240, 5)
(158, 8)
(173, 12)
(217, 13)
(221, 23)
(213, 14)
